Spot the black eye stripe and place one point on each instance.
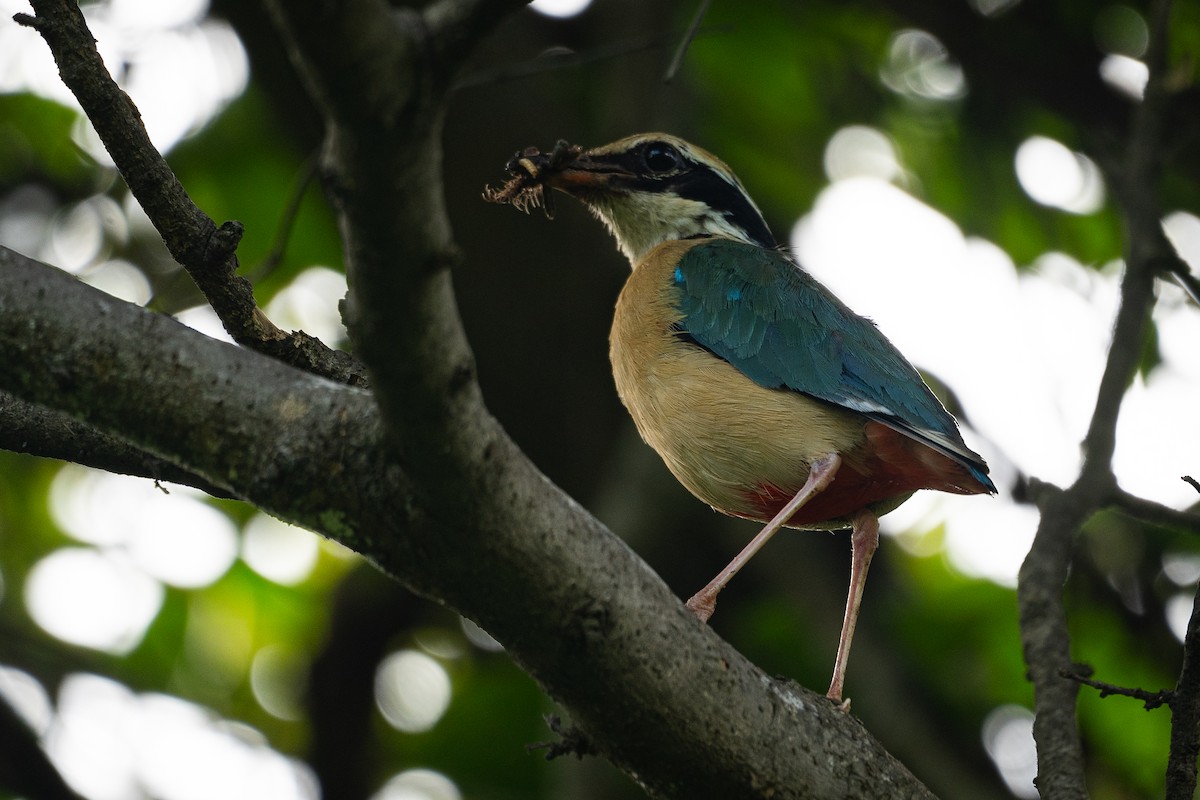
(634, 162)
(691, 180)
(710, 188)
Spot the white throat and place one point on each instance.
(641, 221)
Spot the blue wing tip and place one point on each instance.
(980, 475)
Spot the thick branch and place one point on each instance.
(219, 413)
(39, 431)
(205, 250)
(660, 694)
(1046, 645)
(1185, 715)
(374, 74)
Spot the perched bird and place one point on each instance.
(766, 396)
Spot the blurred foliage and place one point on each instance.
(765, 86)
(35, 142)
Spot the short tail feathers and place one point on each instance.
(930, 459)
(980, 475)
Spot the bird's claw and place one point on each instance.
(702, 605)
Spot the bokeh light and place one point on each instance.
(76, 237)
(860, 151)
(1182, 569)
(26, 214)
(310, 303)
(1008, 738)
(278, 551)
(1183, 229)
(560, 9)
(178, 66)
(479, 637)
(203, 319)
(444, 644)
(1127, 75)
(27, 697)
(418, 784)
(105, 596)
(154, 15)
(1055, 176)
(278, 677)
(120, 279)
(89, 738)
(92, 598)
(172, 535)
(918, 66)
(412, 691)
(1178, 612)
(993, 8)
(1121, 29)
(109, 742)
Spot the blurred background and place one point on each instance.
(933, 163)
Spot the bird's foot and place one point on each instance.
(843, 705)
(702, 604)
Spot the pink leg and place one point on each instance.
(863, 540)
(820, 475)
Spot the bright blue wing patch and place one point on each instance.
(773, 321)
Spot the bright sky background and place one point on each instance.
(1023, 351)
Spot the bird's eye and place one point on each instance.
(661, 157)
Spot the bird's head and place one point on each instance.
(648, 189)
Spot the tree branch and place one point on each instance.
(1046, 644)
(368, 70)
(39, 431)
(1155, 513)
(661, 695)
(1185, 715)
(205, 250)
(1151, 700)
(1044, 635)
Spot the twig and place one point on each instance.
(205, 250)
(454, 27)
(572, 741)
(1151, 700)
(1195, 484)
(1177, 268)
(304, 177)
(566, 59)
(688, 37)
(1156, 513)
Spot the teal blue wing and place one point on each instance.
(774, 322)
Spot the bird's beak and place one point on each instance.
(587, 175)
(568, 168)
